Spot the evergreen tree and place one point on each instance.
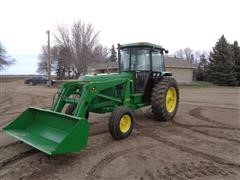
(236, 58)
(221, 64)
(113, 56)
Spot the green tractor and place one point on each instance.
(141, 81)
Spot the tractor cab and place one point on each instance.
(144, 60)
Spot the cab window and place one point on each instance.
(125, 57)
(157, 61)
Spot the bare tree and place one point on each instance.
(43, 59)
(100, 54)
(179, 54)
(77, 47)
(197, 55)
(65, 61)
(42, 64)
(80, 42)
(5, 59)
(186, 53)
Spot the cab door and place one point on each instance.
(140, 65)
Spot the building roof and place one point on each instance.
(170, 62)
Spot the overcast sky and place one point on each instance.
(173, 24)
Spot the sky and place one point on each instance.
(174, 24)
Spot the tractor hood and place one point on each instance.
(105, 77)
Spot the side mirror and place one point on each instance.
(166, 51)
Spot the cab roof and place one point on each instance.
(141, 44)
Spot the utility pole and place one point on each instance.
(49, 83)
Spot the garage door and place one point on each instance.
(182, 75)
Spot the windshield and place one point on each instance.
(140, 59)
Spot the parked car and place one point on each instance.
(37, 80)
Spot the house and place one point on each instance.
(181, 69)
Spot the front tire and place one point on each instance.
(120, 123)
(164, 99)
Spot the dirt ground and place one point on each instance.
(202, 142)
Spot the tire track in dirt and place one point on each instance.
(225, 106)
(147, 114)
(17, 157)
(207, 126)
(197, 113)
(10, 145)
(206, 133)
(100, 165)
(191, 127)
(218, 160)
(46, 165)
(189, 170)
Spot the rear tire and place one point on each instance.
(120, 123)
(164, 99)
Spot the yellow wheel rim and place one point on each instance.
(171, 99)
(125, 123)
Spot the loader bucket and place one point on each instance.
(50, 132)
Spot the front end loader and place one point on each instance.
(141, 81)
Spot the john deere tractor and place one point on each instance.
(141, 81)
